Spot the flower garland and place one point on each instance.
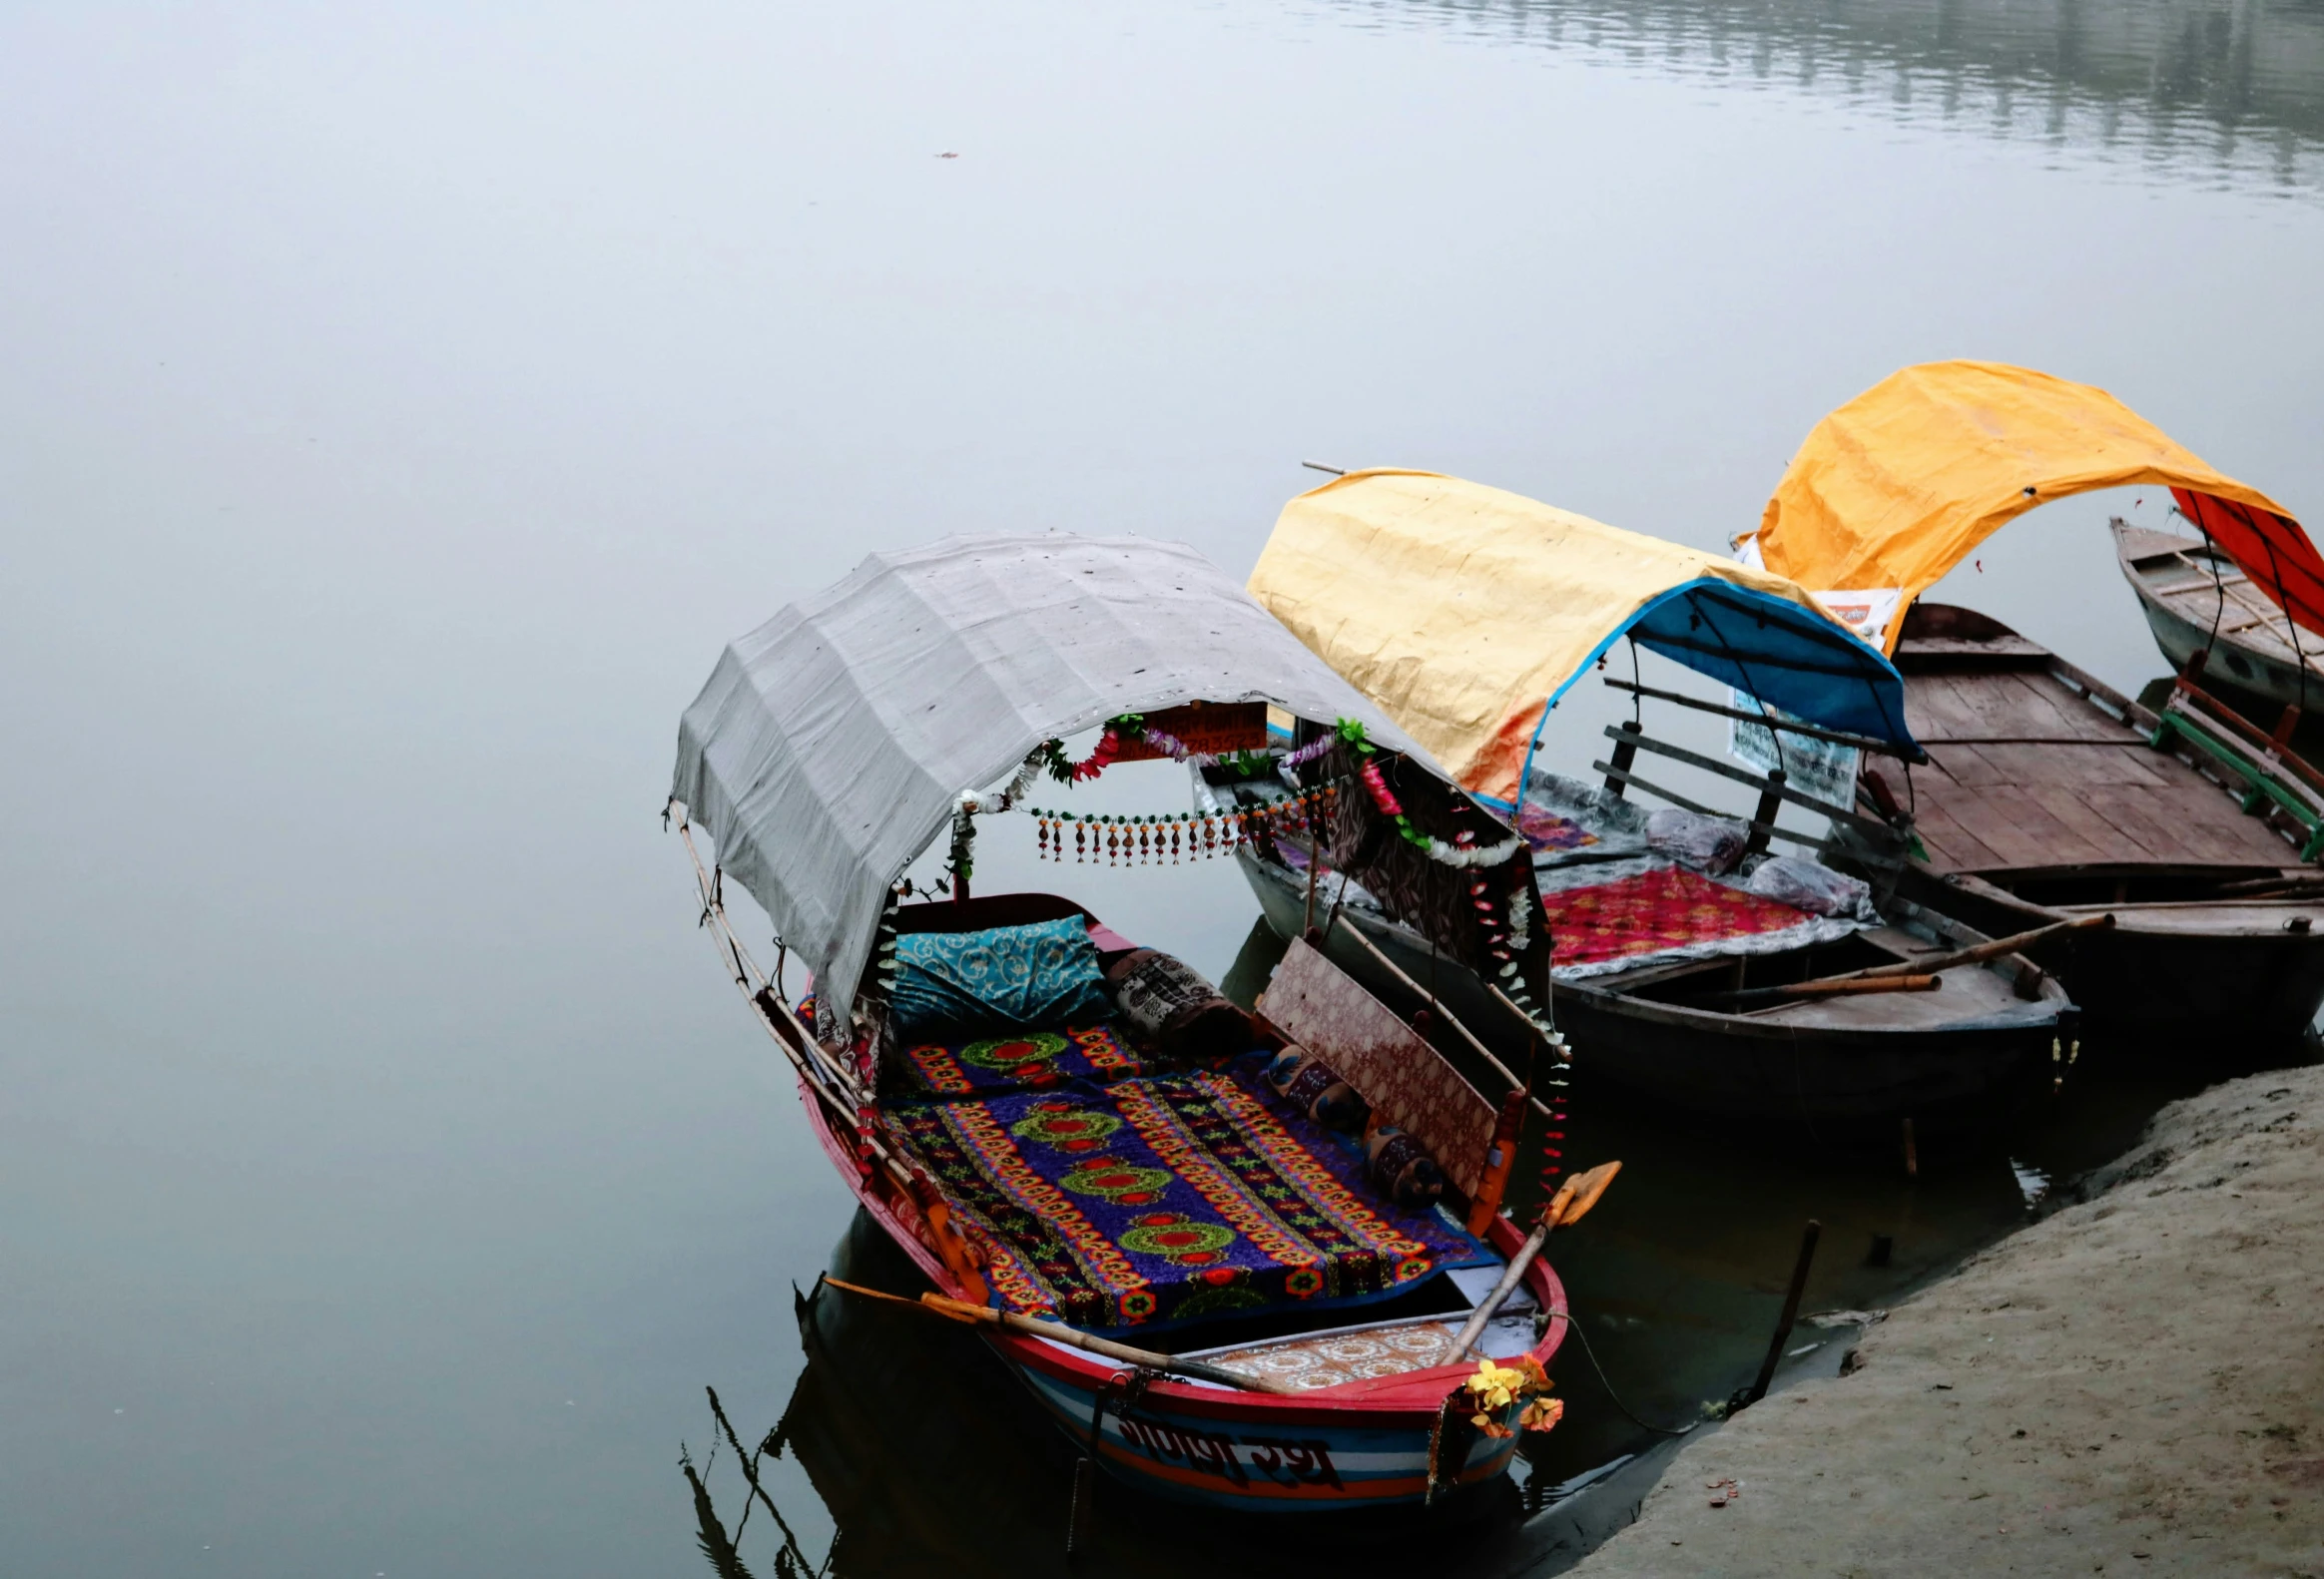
(1467, 857)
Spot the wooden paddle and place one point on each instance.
(1981, 952)
(1831, 988)
(1905, 973)
(1056, 1331)
(1573, 1198)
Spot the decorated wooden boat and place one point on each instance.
(2050, 798)
(1702, 969)
(1147, 1200)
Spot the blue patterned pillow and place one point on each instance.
(1044, 975)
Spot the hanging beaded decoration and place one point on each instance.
(1176, 837)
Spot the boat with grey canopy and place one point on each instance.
(1248, 1260)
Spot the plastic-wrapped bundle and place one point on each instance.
(1812, 886)
(1316, 1089)
(1710, 845)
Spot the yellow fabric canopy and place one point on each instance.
(1465, 611)
(1898, 486)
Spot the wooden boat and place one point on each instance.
(2197, 600)
(2051, 796)
(1726, 1016)
(817, 761)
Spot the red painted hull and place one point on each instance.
(1359, 1444)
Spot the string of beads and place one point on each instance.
(1169, 837)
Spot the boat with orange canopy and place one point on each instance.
(2049, 795)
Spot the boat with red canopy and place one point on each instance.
(1253, 1259)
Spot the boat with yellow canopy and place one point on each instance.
(1699, 968)
(2049, 795)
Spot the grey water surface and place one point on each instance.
(403, 404)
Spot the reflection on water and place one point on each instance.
(2230, 90)
(928, 1455)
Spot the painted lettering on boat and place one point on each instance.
(1289, 1463)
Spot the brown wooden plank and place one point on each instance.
(2085, 763)
(2116, 839)
(1969, 767)
(2205, 825)
(1951, 846)
(2011, 845)
(2049, 837)
(2144, 815)
(1935, 709)
(2075, 718)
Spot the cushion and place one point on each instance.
(1039, 976)
(1176, 1011)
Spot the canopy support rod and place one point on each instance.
(1863, 743)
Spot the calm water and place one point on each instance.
(399, 412)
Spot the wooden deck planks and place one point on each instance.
(2087, 791)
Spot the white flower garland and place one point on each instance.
(970, 800)
(1472, 857)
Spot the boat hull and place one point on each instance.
(2232, 663)
(1357, 1445)
(1292, 1460)
(1833, 1081)
(2225, 973)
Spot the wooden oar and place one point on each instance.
(1574, 1198)
(978, 1314)
(1984, 952)
(1907, 969)
(1831, 988)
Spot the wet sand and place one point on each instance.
(2133, 1386)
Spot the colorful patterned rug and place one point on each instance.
(1022, 1061)
(1018, 1061)
(1170, 1199)
(1649, 911)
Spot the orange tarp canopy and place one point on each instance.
(1898, 486)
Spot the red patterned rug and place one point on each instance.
(1649, 911)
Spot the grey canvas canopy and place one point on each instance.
(833, 743)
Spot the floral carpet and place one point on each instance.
(1169, 1199)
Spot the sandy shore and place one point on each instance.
(2133, 1385)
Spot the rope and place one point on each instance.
(1573, 1326)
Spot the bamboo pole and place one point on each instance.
(1831, 987)
(1449, 1018)
(1981, 952)
(1056, 1331)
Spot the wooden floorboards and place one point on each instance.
(2027, 774)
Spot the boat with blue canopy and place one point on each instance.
(1705, 968)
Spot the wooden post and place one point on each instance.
(1501, 1157)
(1791, 1310)
(1626, 752)
(1763, 820)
